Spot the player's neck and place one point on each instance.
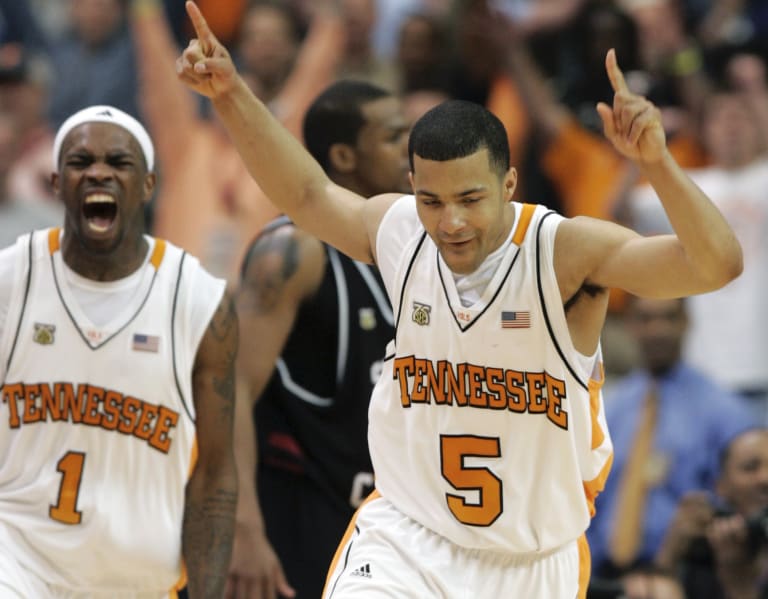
(108, 266)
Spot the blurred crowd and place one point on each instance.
(690, 375)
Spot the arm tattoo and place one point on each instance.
(224, 321)
(270, 263)
(207, 539)
(225, 388)
(211, 493)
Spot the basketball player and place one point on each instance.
(117, 373)
(326, 320)
(486, 427)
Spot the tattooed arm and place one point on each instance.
(282, 269)
(211, 494)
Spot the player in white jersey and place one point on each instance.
(486, 427)
(117, 473)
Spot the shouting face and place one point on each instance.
(104, 184)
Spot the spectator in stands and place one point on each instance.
(208, 203)
(94, 63)
(24, 85)
(668, 423)
(728, 337)
(19, 215)
(719, 543)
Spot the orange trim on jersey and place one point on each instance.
(157, 253)
(585, 566)
(597, 484)
(594, 386)
(192, 459)
(345, 539)
(53, 240)
(180, 583)
(522, 224)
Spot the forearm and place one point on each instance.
(669, 555)
(274, 157)
(167, 106)
(208, 530)
(536, 92)
(708, 241)
(246, 455)
(315, 68)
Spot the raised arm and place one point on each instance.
(277, 161)
(701, 256)
(316, 64)
(211, 495)
(283, 268)
(169, 108)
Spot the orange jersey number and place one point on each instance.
(71, 468)
(454, 449)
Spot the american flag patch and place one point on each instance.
(515, 320)
(146, 342)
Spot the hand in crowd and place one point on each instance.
(632, 123)
(694, 513)
(205, 65)
(728, 538)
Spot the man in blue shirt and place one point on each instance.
(668, 423)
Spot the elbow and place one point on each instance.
(731, 263)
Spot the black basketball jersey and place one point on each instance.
(312, 418)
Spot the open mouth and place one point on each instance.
(100, 211)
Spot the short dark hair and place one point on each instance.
(457, 128)
(336, 116)
(725, 450)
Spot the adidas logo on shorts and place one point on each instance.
(364, 571)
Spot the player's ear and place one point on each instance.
(510, 183)
(149, 186)
(342, 158)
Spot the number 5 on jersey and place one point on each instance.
(454, 449)
(71, 468)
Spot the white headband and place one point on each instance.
(105, 114)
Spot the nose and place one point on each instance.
(99, 171)
(451, 219)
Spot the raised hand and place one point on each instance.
(205, 65)
(632, 124)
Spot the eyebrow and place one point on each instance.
(461, 194)
(84, 151)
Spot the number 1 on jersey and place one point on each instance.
(453, 451)
(71, 468)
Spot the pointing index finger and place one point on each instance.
(614, 72)
(202, 30)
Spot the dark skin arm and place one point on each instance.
(284, 268)
(211, 495)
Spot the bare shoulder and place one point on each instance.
(286, 260)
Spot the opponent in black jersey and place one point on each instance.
(314, 326)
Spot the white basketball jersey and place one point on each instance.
(97, 433)
(487, 425)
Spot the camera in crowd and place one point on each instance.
(700, 551)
